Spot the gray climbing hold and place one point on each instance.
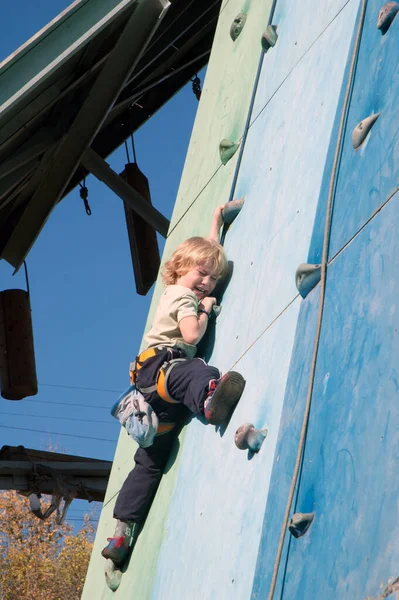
(216, 309)
(249, 438)
(386, 16)
(307, 276)
(227, 149)
(237, 26)
(300, 523)
(361, 130)
(269, 37)
(113, 575)
(231, 210)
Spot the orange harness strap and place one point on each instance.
(161, 383)
(140, 359)
(162, 380)
(164, 428)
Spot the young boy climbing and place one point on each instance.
(170, 377)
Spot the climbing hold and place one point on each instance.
(300, 523)
(216, 309)
(361, 130)
(249, 438)
(307, 276)
(237, 26)
(231, 210)
(386, 16)
(113, 575)
(269, 37)
(227, 149)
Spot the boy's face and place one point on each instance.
(201, 280)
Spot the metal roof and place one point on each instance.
(76, 90)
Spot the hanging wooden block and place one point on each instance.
(142, 237)
(17, 356)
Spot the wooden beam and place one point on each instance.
(100, 169)
(142, 24)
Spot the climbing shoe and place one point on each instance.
(118, 545)
(117, 550)
(222, 397)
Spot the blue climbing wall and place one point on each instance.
(215, 525)
(351, 550)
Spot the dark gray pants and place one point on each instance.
(188, 383)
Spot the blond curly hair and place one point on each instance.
(194, 251)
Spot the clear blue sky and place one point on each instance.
(88, 320)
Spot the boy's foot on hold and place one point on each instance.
(223, 395)
(117, 550)
(118, 547)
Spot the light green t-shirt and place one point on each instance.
(175, 303)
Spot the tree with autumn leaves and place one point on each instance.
(40, 559)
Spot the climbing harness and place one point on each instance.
(140, 360)
(324, 260)
(162, 380)
(160, 385)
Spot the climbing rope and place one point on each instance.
(326, 242)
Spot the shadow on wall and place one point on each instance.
(175, 450)
(205, 349)
(206, 345)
